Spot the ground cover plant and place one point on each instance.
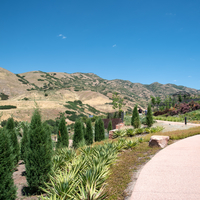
(137, 131)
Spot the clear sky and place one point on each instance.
(142, 41)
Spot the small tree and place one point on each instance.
(39, 153)
(117, 101)
(136, 122)
(135, 116)
(180, 98)
(149, 117)
(89, 132)
(13, 139)
(96, 136)
(7, 188)
(109, 126)
(63, 137)
(101, 129)
(78, 133)
(158, 100)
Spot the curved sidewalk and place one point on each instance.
(173, 173)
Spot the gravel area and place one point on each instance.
(173, 126)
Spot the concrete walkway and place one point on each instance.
(173, 173)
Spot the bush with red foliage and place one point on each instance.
(179, 109)
(161, 112)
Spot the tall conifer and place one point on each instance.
(96, 136)
(63, 137)
(135, 116)
(24, 143)
(39, 153)
(78, 133)
(109, 126)
(149, 117)
(7, 187)
(13, 139)
(101, 129)
(89, 132)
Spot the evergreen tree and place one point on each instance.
(109, 126)
(13, 139)
(180, 98)
(135, 115)
(101, 129)
(7, 187)
(78, 133)
(96, 136)
(24, 143)
(63, 137)
(149, 117)
(89, 132)
(39, 153)
(136, 122)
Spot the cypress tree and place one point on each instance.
(24, 143)
(78, 133)
(101, 129)
(97, 137)
(149, 117)
(109, 126)
(135, 115)
(7, 187)
(89, 133)
(39, 153)
(13, 139)
(63, 137)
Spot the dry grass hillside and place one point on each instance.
(52, 90)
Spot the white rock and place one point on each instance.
(158, 140)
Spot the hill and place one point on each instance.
(52, 90)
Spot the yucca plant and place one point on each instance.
(119, 133)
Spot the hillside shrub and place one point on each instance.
(7, 107)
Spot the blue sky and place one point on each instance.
(142, 41)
